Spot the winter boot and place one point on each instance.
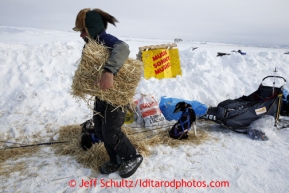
(108, 168)
(129, 167)
(111, 166)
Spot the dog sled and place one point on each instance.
(239, 113)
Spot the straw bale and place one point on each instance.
(89, 70)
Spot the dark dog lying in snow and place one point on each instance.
(185, 122)
(88, 137)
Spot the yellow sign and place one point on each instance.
(161, 63)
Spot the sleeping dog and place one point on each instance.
(186, 121)
(88, 137)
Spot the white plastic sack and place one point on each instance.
(150, 111)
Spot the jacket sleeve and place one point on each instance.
(117, 58)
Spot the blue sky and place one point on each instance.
(227, 21)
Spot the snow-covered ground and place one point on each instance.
(36, 70)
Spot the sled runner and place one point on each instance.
(239, 113)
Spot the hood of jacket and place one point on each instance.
(93, 21)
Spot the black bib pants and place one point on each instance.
(107, 127)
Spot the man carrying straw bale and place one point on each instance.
(107, 118)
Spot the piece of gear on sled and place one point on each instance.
(239, 113)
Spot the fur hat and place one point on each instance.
(81, 22)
